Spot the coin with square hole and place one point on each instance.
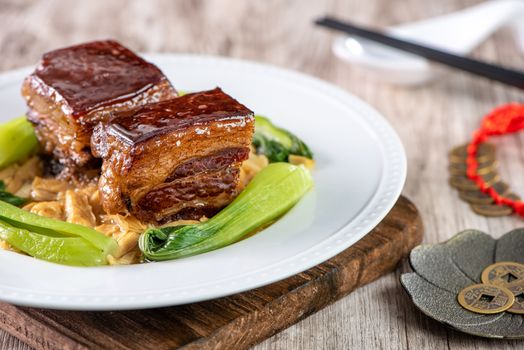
(486, 298)
(479, 197)
(501, 187)
(513, 196)
(518, 292)
(464, 183)
(475, 197)
(504, 273)
(491, 210)
(485, 152)
(482, 168)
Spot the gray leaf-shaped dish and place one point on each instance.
(442, 270)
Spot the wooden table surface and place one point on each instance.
(430, 120)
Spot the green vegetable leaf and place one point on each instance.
(55, 228)
(272, 149)
(17, 141)
(277, 143)
(270, 194)
(62, 250)
(10, 198)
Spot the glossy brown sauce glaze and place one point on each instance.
(191, 110)
(95, 75)
(161, 159)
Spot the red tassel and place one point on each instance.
(503, 120)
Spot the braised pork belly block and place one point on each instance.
(75, 88)
(177, 159)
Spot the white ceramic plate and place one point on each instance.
(361, 168)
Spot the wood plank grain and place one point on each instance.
(235, 322)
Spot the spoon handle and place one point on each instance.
(501, 74)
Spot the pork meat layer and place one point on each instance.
(176, 159)
(74, 88)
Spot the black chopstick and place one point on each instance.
(487, 70)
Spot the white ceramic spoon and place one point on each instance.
(458, 33)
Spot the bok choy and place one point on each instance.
(62, 250)
(53, 240)
(9, 197)
(276, 143)
(270, 194)
(17, 141)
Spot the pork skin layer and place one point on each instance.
(176, 159)
(74, 88)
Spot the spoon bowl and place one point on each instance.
(457, 33)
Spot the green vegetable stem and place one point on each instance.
(62, 250)
(270, 194)
(17, 141)
(276, 143)
(54, 240)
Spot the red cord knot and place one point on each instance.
(502, 120)
(518, 206)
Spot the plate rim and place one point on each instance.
(389, 190)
